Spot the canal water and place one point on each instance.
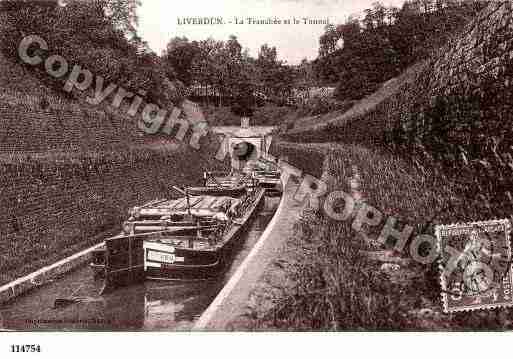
(152, 305)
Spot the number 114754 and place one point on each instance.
(27, 348)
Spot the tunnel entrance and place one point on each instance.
(244, 151)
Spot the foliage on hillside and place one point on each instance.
(97, 35)
(274, 115)
(359, 55)
(312, 129)
(269, 115)
(225, 71)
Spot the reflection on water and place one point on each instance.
(180, 308)
(152, 305)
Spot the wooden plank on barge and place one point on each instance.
(193, 202)
(178, 202)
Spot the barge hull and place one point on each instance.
(125, 256)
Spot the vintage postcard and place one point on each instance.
(255, 165)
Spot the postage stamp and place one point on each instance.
(475, 265)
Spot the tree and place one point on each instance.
(234, 48)
(350, 32)
(328, 41)
(224, 70)
(180, 55)
(205, 67)
(268, 56)
(275, 78)
(304, 75)
(123, 14)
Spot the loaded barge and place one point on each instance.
(190, 237)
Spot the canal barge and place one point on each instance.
(189, 237)
(265, 174)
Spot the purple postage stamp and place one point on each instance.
(475, 265)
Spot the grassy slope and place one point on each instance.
(312, 128)
(317, 123)
(337, 288)
(16, 82)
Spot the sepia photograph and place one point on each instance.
(297, 167)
